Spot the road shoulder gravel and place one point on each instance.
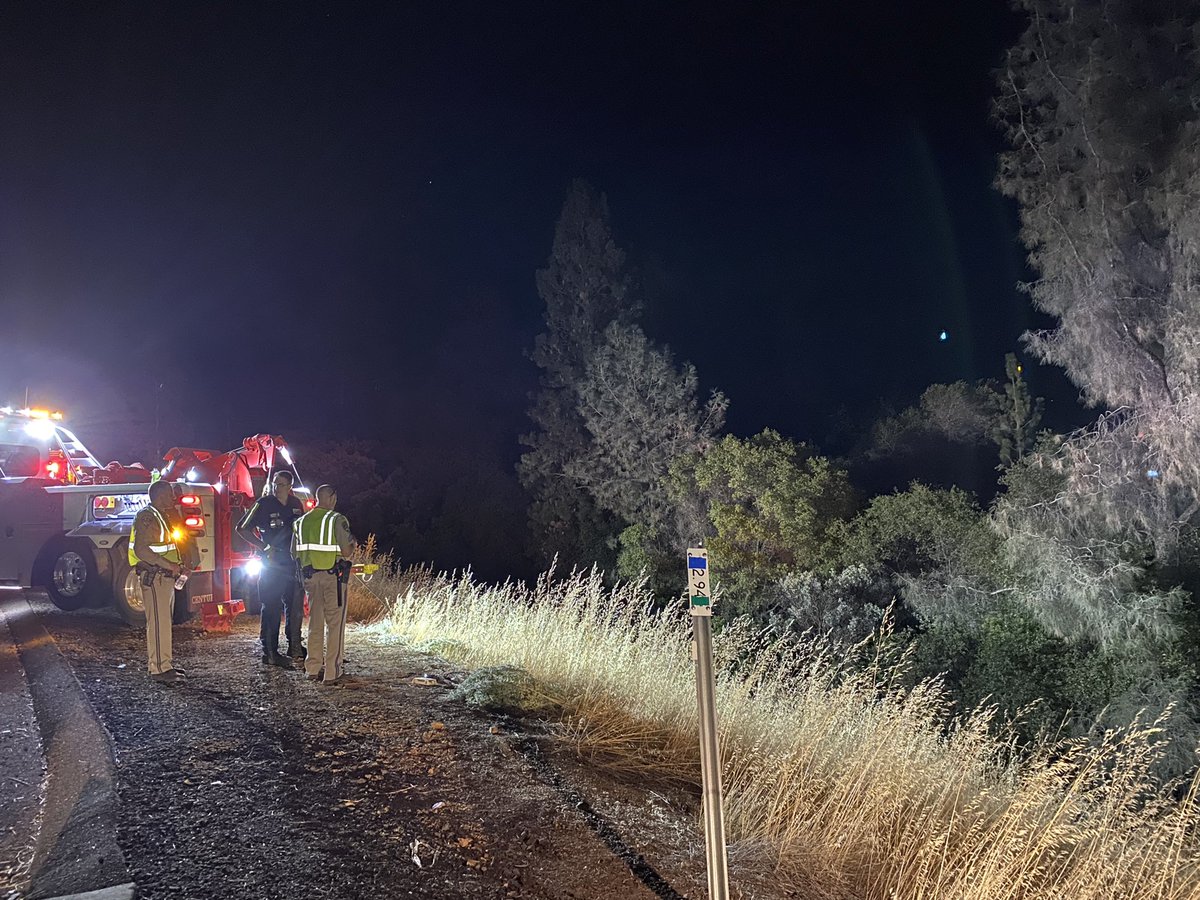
(76, 847)
(22, 766)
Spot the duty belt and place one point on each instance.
(149, 572)
(341, 570)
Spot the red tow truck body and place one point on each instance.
(238, 477)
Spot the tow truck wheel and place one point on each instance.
(127, 594)
(73, 576)
(127, 597)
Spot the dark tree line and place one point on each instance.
(1070, 586)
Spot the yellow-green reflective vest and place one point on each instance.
(316, 542)
(164, 545)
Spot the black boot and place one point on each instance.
(271, 657)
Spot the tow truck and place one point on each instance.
(65, 519)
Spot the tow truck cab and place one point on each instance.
(34, 444)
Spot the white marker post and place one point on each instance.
(700, 606)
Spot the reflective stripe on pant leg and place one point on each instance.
(341, 644)
(316, 626)
(333, 652)
(153, 657)
(165, 589)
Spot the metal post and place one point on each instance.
(700, 607)
(710, 763)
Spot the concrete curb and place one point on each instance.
(77, 848)
(119, 892)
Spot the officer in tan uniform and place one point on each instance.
(160, 553)
(322, 544)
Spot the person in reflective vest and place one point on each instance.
(322, 544)
(158, 552)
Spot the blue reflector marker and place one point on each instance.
(697, 562)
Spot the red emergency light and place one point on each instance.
(53, 468)
(189, 500)
(194, 521)
(310, 504)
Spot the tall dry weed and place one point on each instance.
(367, 599)
(873, 789)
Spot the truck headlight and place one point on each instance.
(40, 429)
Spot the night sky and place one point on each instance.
(323, 219)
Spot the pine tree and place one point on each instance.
(642, 413)
(586, 287)
(1098, 103)
(1018, 415)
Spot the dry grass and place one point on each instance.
(367, 599)
(869, 789)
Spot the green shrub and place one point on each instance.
(644, 553)
(500, 689)
(1020, 665)
(845, 608)
(771, 505)
(1009, 660)
(923, 529)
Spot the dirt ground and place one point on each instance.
(253, 782)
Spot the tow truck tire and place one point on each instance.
(127, 593)
(73, 577)
(127, 596)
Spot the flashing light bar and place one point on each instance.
(35, 413)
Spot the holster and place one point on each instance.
(341, 570)
(148, 573)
